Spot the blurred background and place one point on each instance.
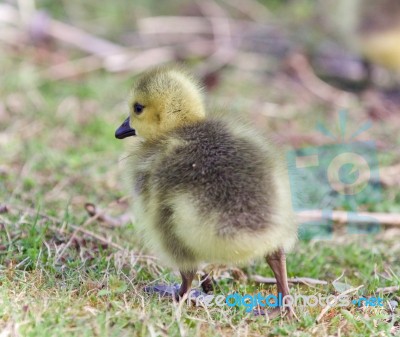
(288, 66)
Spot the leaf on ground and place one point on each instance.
(341, 287)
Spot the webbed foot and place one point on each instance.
(163, 290)
(175, 291)
(172, 291)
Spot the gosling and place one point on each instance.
(206, 189)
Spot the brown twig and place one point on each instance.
(139, 61)
(61, 31)
(83, 230)
(128, 61)
(173, 25)
(102, 216)
(295, 280)
(300, 66)
(388, 290)
(194, 25)
(222, 34)
(342, 217)
(82, 40)
(76, 228)
(75, 68)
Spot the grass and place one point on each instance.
(57, 151)
(59, 154)
(90, 289)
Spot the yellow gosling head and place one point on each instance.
(161, 100)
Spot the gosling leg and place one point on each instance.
(277, 262)
(186, 285)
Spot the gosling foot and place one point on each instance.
(176, 291)
(277, 262)
(163, 290)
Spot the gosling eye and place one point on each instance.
(138, 108)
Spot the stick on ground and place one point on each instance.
(297, 280)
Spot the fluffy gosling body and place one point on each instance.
(206, 189)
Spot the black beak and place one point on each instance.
(124, 130)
